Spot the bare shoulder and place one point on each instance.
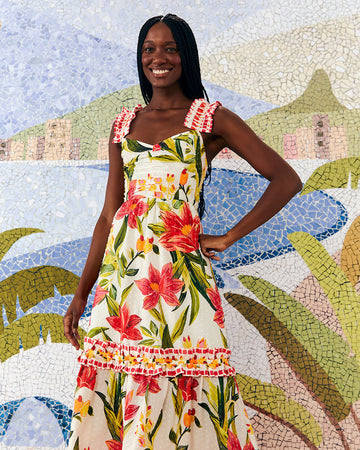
(227, 122)
(228, 129)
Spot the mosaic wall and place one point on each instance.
(291, 288)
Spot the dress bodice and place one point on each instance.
(173, 169)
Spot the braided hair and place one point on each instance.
(190, 80)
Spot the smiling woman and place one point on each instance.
(156, 348)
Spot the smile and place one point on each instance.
(160, 71)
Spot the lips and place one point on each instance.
(160, 72)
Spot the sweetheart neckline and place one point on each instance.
(170, 137)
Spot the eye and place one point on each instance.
(171, 50)
(147, 49)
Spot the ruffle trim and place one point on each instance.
(168, 362)
(122, 123)
(200, 115)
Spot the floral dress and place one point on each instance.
(155, 371)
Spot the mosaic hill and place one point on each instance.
(84, 133)
(315, 125)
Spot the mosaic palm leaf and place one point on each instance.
(272, 401)
(9, 237)
(310, 332)
(296, 355)
(350, 254)
(338, 289)
(334, 174)
(33, 285)
(28, 329)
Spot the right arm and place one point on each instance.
(114, 197)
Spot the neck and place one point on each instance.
(164, 99)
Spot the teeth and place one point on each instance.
(160, 71)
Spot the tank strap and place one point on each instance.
(123, 122)
(200, 115)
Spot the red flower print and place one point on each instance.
(125, 324)
(99, 294)
(216, 301)
(114, 445)
(187, 385)
(159, 285)
(146, 382)
(248, 446)
(181, 231)
(87, 377)
(130, 410)
(233, 441)
(133, 207)
(156, 147)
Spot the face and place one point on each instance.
(160, 57)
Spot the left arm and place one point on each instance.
(230, 131)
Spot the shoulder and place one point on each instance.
(225, 121)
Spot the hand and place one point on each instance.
(210, 244)
(71, 321)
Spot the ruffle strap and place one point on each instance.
(168, 362)
(200, 115)
(123, 122)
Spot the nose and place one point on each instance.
(159, 56)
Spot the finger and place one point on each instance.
(68, 331)
(210, 254)
(75, 326)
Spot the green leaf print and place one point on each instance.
(106, 270)
(166, 339)
(155, 313)
(157, 228)
(178, 267)
(135, 146)
(220, 410)
(97, 330)
(113, 307)
(179, 325)
(121, 234)
(154, 328)
(178, 149)
(130, 167)
(113, 291)
(139, 225)
(164, 206)
(156, 427)
(172, 436)
(125, 292)
(147, 342)
(146, 331)
(131, 272)
(195, 303)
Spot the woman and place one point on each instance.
(155, 368)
